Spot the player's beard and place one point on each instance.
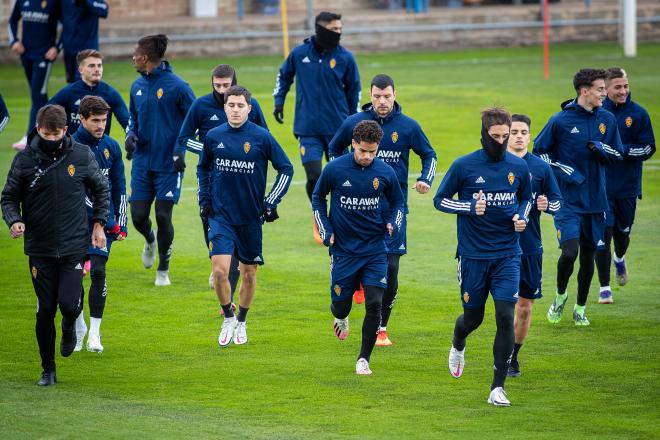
(493, 148)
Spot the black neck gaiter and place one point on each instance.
(49, 147)
(493, 148)
(326, 39)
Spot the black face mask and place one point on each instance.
(49, 147)
(326, 39)
(493, 148)
(220, 97)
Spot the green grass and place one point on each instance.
(164, 376)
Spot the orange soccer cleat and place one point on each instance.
(382, 340)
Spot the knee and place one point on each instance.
(163, 217)
(46, 312)
(97, 273)
(472, 321)
(341, 309)
(220, 273)
(524, 309)
(249, 274)
(504, 317)
(139, 214)
(392, 270)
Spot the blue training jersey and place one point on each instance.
(624, 179)
(39, 29)
(4, 114)
(358, 212)
(80, 24)
(233, 169)
(507, 190)
(69, 98)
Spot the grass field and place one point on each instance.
(162, 374)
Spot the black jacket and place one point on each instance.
(48, 195)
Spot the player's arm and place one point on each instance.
(187, 139)
(544, 147)
(341, 140)
(282, 85)
(610, 152)
(204, 170)
(131, 141)
(186, 100)
(450, 185)
(550, 193)
(119, 199)
(12, 195)
(98, 7)
(644, 148)
(422, 147)
(4, 114)
(395, 199)
(15, 42)
(119, 109)
(256, 115)
(524, 196)
(284, 169)
(97, 184)
(352, 86)
(320, 207)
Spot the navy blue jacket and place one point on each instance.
(624, 179)
(4, 114)
(69, 98)
(401, 134)
(160, 101)
(204, 114)
(327, 88)
(506, 188)
(80, 24)
(543, 183)
(580, 171)
(39, 30)
(358, 214)
(233, 169)
(108, 155)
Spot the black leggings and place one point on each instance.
(392, 287)
(604, 257)
(98, 289)
(569, 253)
(140, 210)
(313, 172)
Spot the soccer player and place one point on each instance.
(205, 113)
(37, 49)
(94, 112)
(624, 179)
(44, 200)
(327, 91)
(401, 135)
(90, 66)
(80, 31)
(494, 200)
(545, 198)
(4, 114)
(354, 231)
(159, 102)
(232, 174)
(578, 142)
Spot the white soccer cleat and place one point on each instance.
(81, 331)
(94, 343)
(149, 254)
(211, 282)
(162, 278)
(362, 367)
(227, 331)
(456, 362)
(340, 327)
(20, 144)
(240, 334)
(498, 397)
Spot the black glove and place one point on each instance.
(205, 211)
(279, 114)
(130, 144)
(179, 163)
(270, 214)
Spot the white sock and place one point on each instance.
(383, 329)
(95, 325)
(80, 321)
(604, 288)
(617, 259)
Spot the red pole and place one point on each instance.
(546, 42)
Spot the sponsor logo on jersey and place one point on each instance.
(235, 166)
(497, 199)
(337, 289)
(480, 180)
(628, 121)
(221, 145)
(389, 156)
(333, 63)
(139, 93)
(214, 118)
(511, 178)
(159, 93)
(246, 147)
(106, 153)
(466, 297)
(347, 183)
(395, 137)
(34, 272)
(601, 127)
(72, 170)
(306, 60)
(359, 203)
(77, 102)
(375, 183)
(575, 130)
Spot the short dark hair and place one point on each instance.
(495, 116)
(367, 131)
(51, 117)
(522, 118)
(87, 53)
(616, 72)
(382, 81)
(326, 17)
(154, 46)
(93, 105)
(238, 91)
(223, 71)
(584, 78)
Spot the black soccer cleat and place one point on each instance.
(69, 339)
(47, 378)
(514, 369)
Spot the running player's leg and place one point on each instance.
(97, 298)
(392, 287)
(311, 150)
(69, 298)
(45, 283)
(165, 235)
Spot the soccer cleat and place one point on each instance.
(149, 254)
(580, 319)
(68, 340)
(498, 397)
(211, 282)
(555, 311)
(20, 144)
(362, 367)
(341, 328)
(456, 362)
(47, 378)
(382, 340)
(81, 331)
(94, 343)
(86, 267)
(514, 369)
(605, 297)
(316, 234)
(233, 308)
(162, 278)
(621, 272)
(227, 331)
(240, 335)
(358, 295)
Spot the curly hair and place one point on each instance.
(367, 131)
(584, 78)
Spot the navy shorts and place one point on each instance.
(588, 228)
(397, 244)
(531, 269)
(104, 252)
(313, 148)
(346, 274)
(621, 215)
(241, 241)
(159, 185)
(500, 277)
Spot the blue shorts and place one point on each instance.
(159, 185)
(621, 215)
(531, 269)
(241, 241)
(105, 252)
(500, 277)
(313, 148)
(346, 274)
(397, 244)
(588, 228)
